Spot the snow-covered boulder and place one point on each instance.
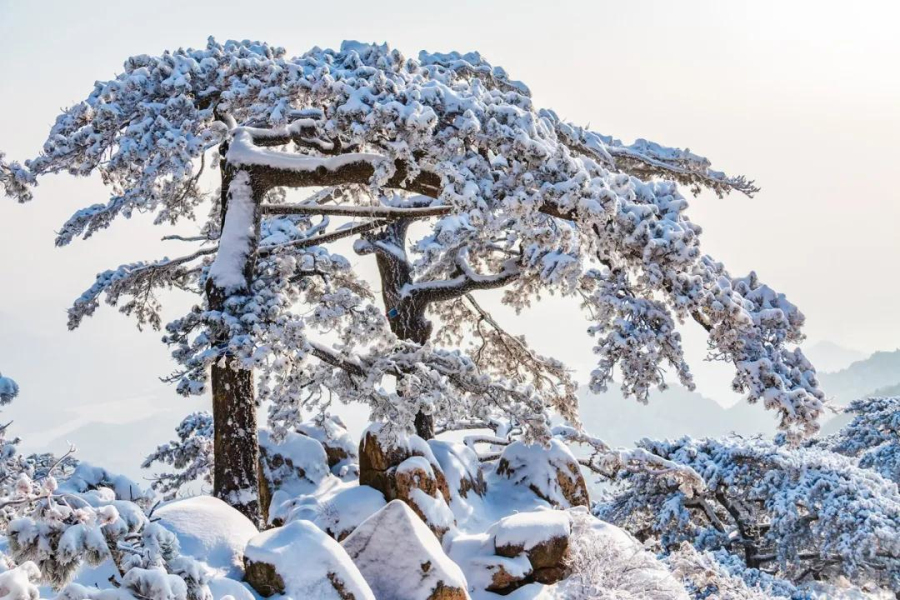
(339, 445)
(401, 559)
(461, 468)
(209, 530)
(551, 472)
(296, 462)
(300, 561)
(337, 508)
(541, 535)
(484, 570)
(404, 468)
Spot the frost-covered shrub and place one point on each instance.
(607, 564)
(704, 577)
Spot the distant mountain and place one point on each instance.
(829, 357)
(671, 414)
(678, 412)
(863, 378)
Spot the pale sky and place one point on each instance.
(804, 97)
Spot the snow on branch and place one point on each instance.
(417, 212)
(648, 159)
(139, 281)
(610, 462)
(467, 281)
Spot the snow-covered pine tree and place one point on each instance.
(873, 436)
(797, 512)
(511, 196)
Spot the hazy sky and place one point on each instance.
(804, 97)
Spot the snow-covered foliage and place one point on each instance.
(517, 197)
(607, 565)
(873, 436)
(705, 577)
(20, 583)
(796, 512)
(9, 389)
(191, 455)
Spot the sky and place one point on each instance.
(803, 97)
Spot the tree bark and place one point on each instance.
(406, 316)
(235, 444)
(236, 448)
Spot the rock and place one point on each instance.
(294, 465)
(404, 468)
(300, 561)
(209, 530)
(401, 559)
(296, 460)
(542, 536)
(461, 468)
(507, 574)
(551, 472)
(331, 432)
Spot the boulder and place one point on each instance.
(542, 536)
(461, 468)
(551, 472)
(294, 464)
(507, 574)
(401, 559)
(404, 468)
(300, 561)
(339, 445)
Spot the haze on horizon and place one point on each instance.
(801, 96)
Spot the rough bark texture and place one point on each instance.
(235, 472)
(235, 447)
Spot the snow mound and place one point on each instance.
(337, 509)
(401, 558)
(305, 562)
(19, 583)
(210, 531)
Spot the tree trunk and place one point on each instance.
(235, 445)
(406, 317)
(236, 448)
